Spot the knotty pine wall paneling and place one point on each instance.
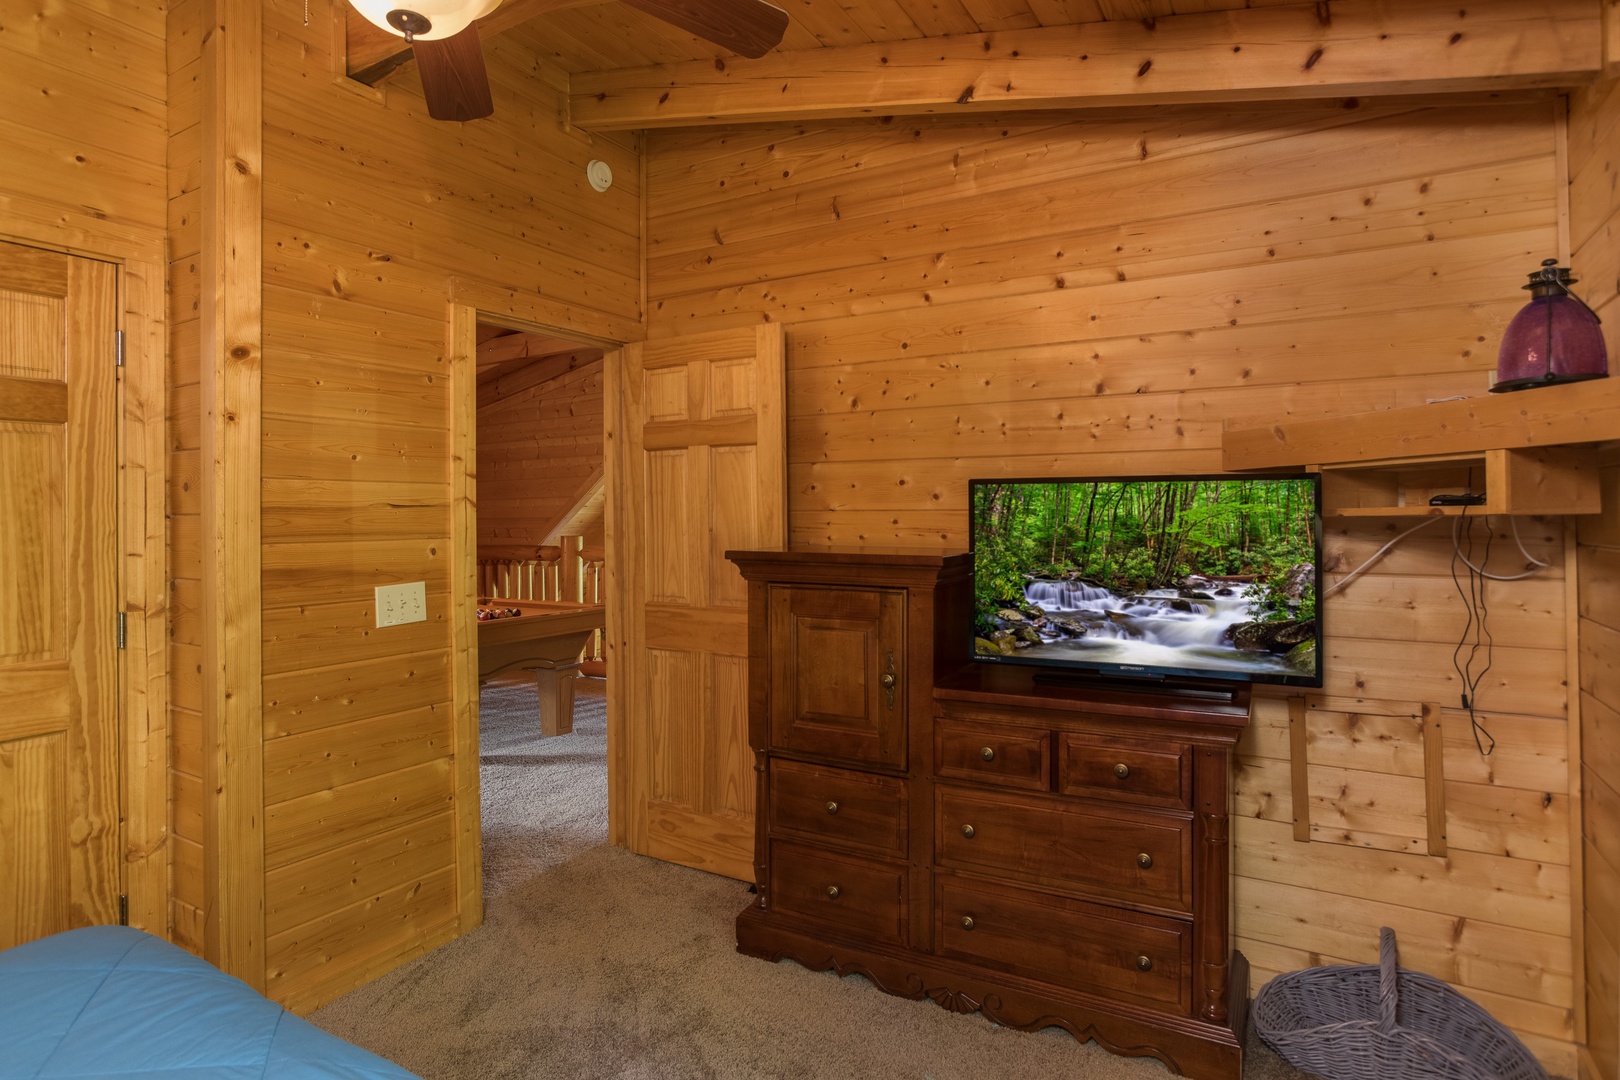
(1097, 294)
(1594, 164)
(536, 450)
(83, 102)
(375, 219)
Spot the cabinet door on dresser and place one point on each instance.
(838, 673)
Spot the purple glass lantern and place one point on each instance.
(1554, 339)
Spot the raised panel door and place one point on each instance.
(59, 819)
(695, 464)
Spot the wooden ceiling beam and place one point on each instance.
(373, 53)
(543, 370)
(1336, 48)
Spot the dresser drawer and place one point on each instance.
(1105, 951)
(838, 806)
(1126, 770)
(862, 897)
(1141, 857)
(994, 754)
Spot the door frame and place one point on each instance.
(140, 255)
(472, 303)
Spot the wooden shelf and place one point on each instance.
(1565, 415)
(1527, 452)
(1538, 480)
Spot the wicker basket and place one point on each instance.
(1376, 1022)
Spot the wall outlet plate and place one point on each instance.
(405, 603)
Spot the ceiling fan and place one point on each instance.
(443, 35)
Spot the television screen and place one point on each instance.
(1206, 577)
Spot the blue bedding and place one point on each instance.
(110, 1001)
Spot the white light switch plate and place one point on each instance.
(405, 603)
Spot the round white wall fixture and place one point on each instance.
(599, 174)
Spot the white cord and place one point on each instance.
(1531, 559)
(1536, 565)
(1456, 535)
(1379, 554)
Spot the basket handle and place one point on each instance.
(1388, 983)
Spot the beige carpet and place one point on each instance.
(594, 963)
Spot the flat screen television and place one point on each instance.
(1182, 578)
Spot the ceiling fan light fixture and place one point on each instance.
(424, 20)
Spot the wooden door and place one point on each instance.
(59, 864)
(696, 466)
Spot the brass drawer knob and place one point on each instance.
(988, 753)
(887, 681)
(1144, 964)
(1145, 861)
(967, 922)
(832, 807)
(1122, 770)
(832, 892)
(969, 831)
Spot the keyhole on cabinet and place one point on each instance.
(887, 682)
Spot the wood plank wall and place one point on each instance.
(1098, 294)
(375, 218)
(1594, 164)
(537, 450)
(185, 26)
(82, 103)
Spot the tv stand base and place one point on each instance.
(1188, 1047)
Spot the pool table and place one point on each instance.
(546, 639)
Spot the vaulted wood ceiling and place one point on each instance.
(601, 36)
(595, 35)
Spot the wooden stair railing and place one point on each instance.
(592, 559)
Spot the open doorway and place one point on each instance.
(539, 528)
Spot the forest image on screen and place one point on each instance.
(1211, 577)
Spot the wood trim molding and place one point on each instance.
(1577, 796)
(618, 578)
(522, 309)
(463, 351)
(1346, 48)
(1434, 777)
(770, 412)
(1299, 768)
(232, 274)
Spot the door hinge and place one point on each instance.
(120, 348)
(123, 629)
(123, 909)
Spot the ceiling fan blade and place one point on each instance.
(453, 77)
(749, 27)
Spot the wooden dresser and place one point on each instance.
(1043, 854)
